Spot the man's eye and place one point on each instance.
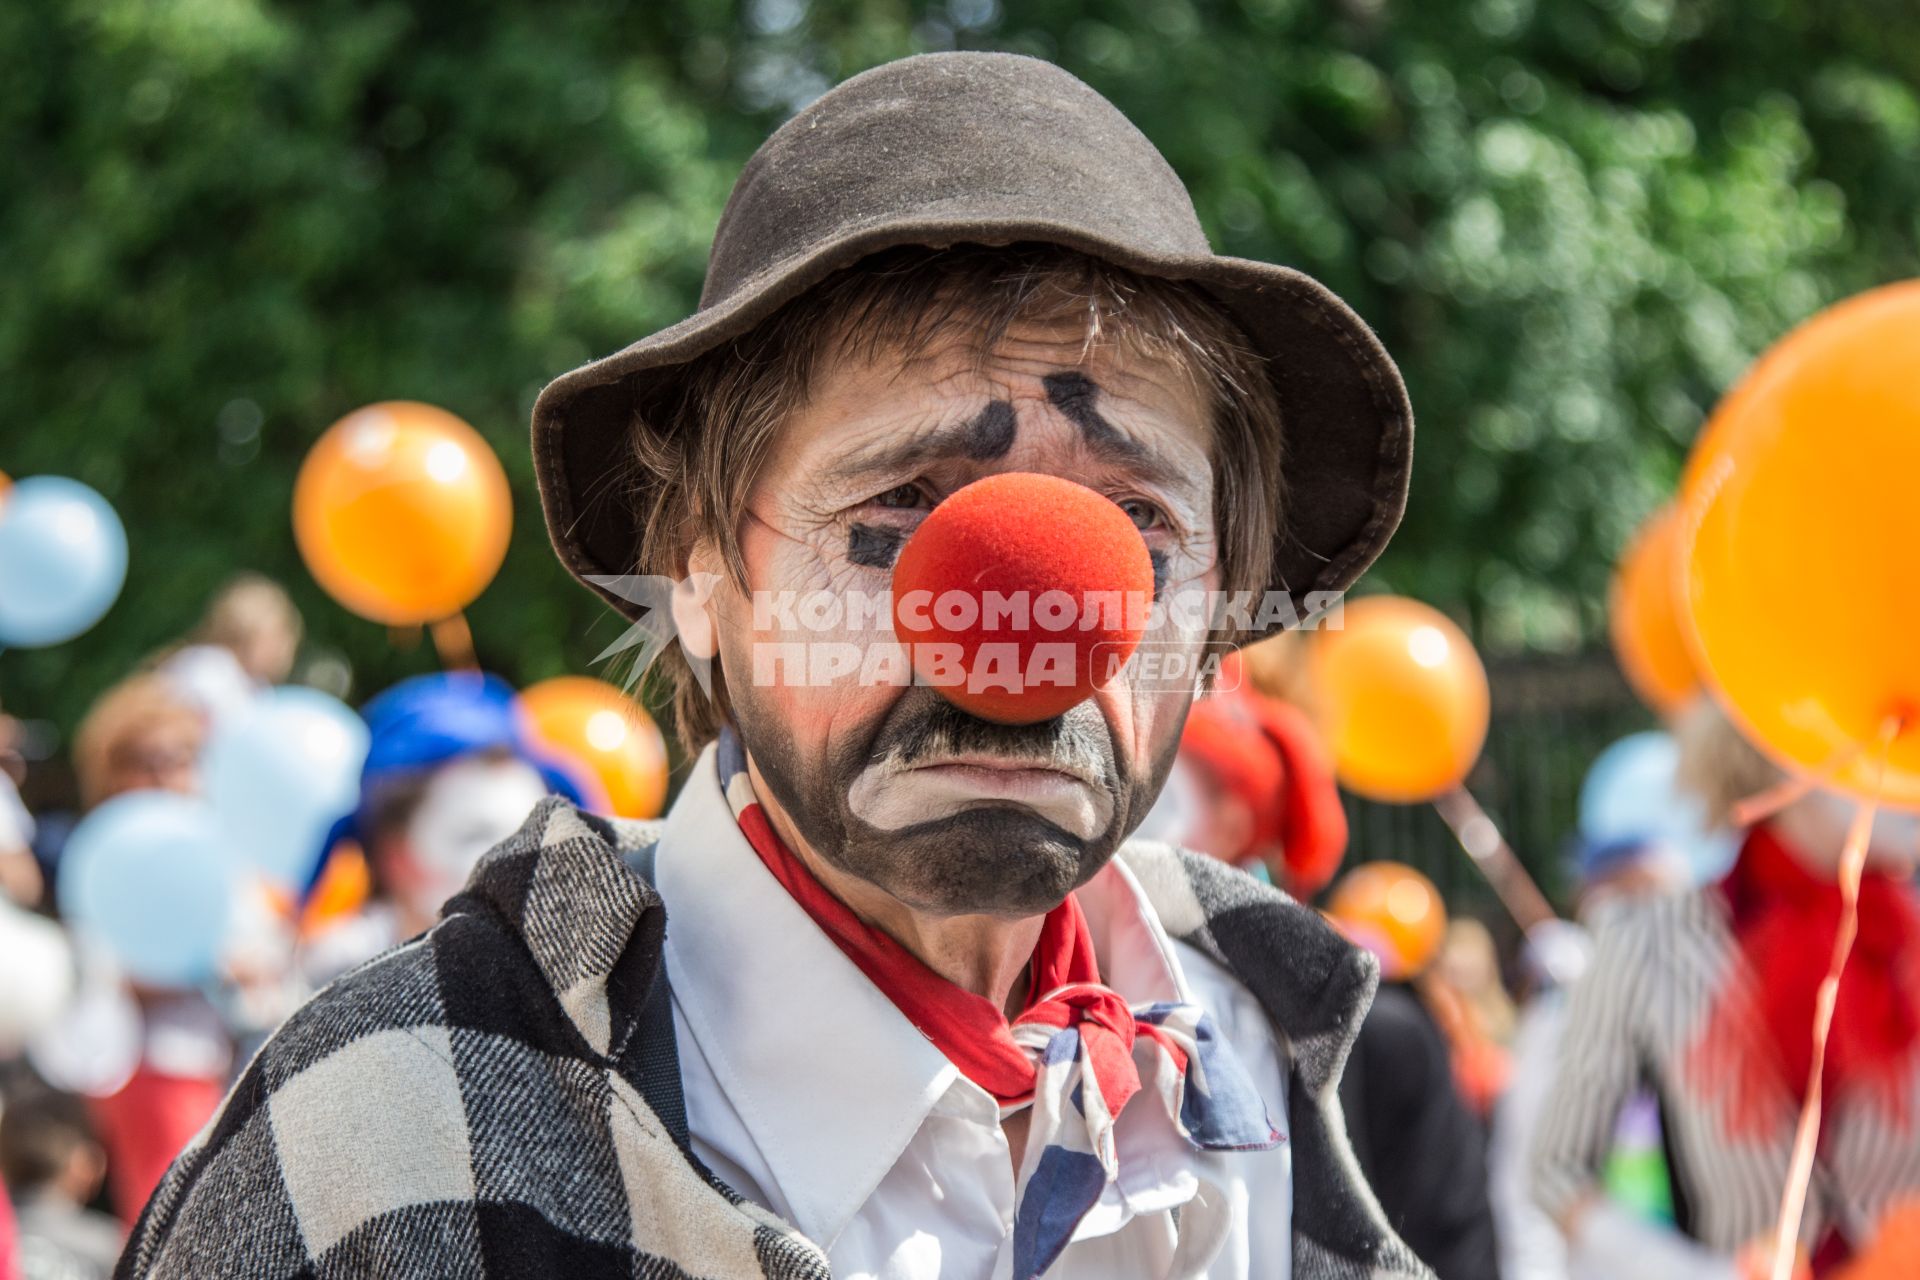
(903, 497)
(1143, 513)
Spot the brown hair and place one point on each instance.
(39, 1132)
(134, 707)
(1717, 763)
(701, 442)
(246, 605)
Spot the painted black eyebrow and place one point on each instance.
(990, 433)
(955, 439)
(1073, 394)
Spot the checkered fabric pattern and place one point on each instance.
(1087, 1057)
(500, 1097)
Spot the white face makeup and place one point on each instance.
(1065, 789)
(946, 812)
(468, 807)
(1175, 809)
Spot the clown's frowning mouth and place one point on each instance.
(943, 761)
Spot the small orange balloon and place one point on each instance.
(595, 725)
(1394, 912)
(1402, 698)
(1894, 1253)
(343, 888)
(402, 513)
(1644, 616)
(1801, 586)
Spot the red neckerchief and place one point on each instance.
(1063, 988)
(1784, 918)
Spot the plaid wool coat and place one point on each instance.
(501, 1096)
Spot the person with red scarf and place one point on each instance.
(1253, 786)
(1708, 999)
(890, 992)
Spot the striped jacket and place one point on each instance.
(1634, 1019)
(502, 1097)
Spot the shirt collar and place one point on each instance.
(779, 1012)
(776, 1007)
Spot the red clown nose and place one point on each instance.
(1021, 594)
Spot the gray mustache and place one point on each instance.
(1076, 741)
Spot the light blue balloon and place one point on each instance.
(147, 875)
(63, 560)
(1630, 794)
(279, 775)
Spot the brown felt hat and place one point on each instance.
(993, 148)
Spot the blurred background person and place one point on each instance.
(20, 879)
(1418, 1141)
(451, 771)
(1707, 998)
(1253, 787)
(245, 643)
(37, 979)
(1469, 996)
(53, 1166)
(9, 1237)
(1554, 956)
(143, 735)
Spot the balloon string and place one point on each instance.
(1853, 861)
(1758, 808)
(1494, 858)
(453, 641)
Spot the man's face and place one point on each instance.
(469, 805)
(948, 813)
(159, 756)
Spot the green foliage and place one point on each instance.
(227, 223)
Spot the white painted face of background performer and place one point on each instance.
(468, 807)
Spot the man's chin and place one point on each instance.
(993, 858)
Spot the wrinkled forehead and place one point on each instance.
(975, 392)
(945, 341)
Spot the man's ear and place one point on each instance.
(692, 605)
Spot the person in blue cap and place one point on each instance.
(451, 771)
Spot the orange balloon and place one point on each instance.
(1894, 1253)
(1801, 570)
(344, 886)
(1394, 912)
(595, 725)
(1644, 616)
(1402, 699)
(402, 513)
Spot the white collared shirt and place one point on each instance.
(809, 1093)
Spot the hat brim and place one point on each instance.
(1348, 447)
